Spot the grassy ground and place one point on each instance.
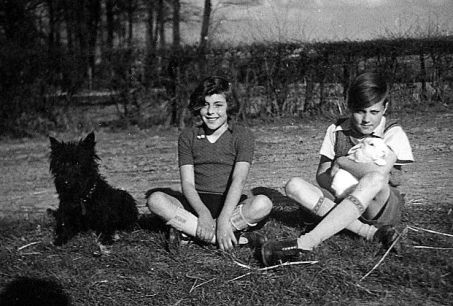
(141, 271)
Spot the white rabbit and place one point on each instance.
(370, 149)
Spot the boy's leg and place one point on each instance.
(312, 198)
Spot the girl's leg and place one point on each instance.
(172, 212)
(313, 199)
(251, 212)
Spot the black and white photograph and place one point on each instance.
(226, 152)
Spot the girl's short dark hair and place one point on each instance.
(210, 86)
(367, 89)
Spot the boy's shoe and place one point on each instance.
(386, 235)
(276, 252)
(250, 239)
(173, 239)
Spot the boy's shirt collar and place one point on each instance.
(378, 131)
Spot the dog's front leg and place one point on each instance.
(106, 236)
(60, 232)
(65, 229)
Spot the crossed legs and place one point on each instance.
(367, 199)
(171, 210)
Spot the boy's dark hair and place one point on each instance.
(367, 89)
(210, 86)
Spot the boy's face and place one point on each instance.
(214, 111)
(366, 120)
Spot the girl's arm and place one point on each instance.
(225, 235)
(206, 224)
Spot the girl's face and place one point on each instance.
(214, 112)
(366, 120)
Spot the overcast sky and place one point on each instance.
(320, 20)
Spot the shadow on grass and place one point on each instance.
(34, 291)
(152, 222)
(286, 210)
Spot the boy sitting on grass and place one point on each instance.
(374, 205)
(214, 161)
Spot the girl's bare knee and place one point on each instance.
(262, 204)
(257, 209)
(159, 203)
(154, 199)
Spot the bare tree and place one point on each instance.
(176, 25)
(161, 22)
(110, 19)
(202, 48)
(151, 41)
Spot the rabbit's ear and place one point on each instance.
(354, 148)
(380, 161)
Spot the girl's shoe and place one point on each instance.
(174, 238)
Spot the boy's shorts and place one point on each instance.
(390, 213)
(213, 201)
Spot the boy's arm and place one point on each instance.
(360, 169)
(206, 224)
(324, 174)
(225, 235)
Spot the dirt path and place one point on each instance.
(140, 160)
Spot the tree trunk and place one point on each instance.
(423, 74)
(150, 43)
(176, 24)
(204, 36)
(51, 38)
(177, 115)
(161, 23)
(130, 23)
(94, 17)
(68, 16)
(109, 16)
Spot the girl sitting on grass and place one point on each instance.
(214, 161)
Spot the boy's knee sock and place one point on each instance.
(344, 215)
(364, 230)
(185, 222)
(324, 205)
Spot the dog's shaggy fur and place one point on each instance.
(87, 201)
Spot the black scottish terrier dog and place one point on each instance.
(87, 201)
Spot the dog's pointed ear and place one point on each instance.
(54, 144)
(89, 141)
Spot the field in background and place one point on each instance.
(141, 271)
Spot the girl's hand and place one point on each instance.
(205, 227)
(225, 235)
